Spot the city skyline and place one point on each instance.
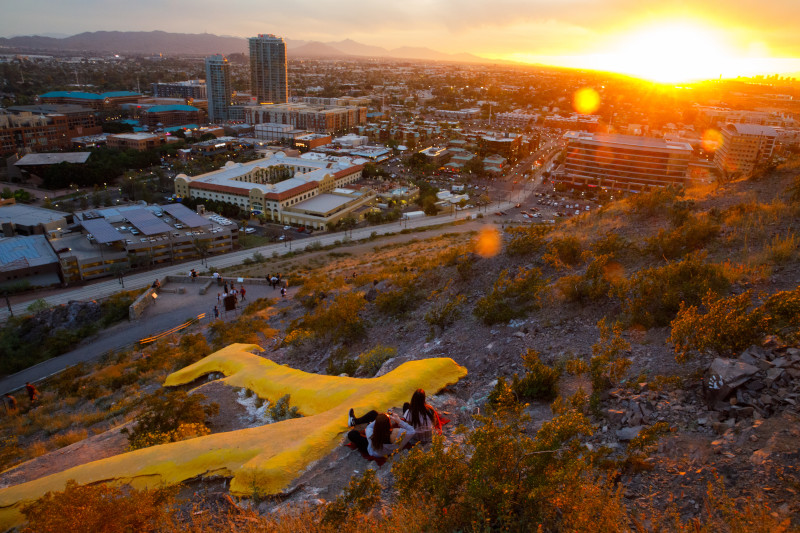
(701, 40)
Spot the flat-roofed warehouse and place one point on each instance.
(18, 219)
(28, 259)
(624, 161)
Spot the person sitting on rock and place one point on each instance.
(385, 433)
(422, 417)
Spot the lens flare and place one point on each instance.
(712, 139)
(586, 101)
(487, 243)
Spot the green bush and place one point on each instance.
(655, 202)
(445, 313)
(526, 240)
(401, 300)
(611, 244)
(372, 360)
(540, 382)
(510, 297)
(361, 495)
(726, 326)
(164, 414)
(594, 284)
(281, 410)
(564, 252)
(336, 319)
(694, 234)
(652, 297)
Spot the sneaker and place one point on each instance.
(351, 418)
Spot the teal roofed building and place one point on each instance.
(160, 116)
(107, 100)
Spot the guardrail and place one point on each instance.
(154, 338)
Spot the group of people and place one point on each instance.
(275, 281)
(10, 402)
(387, 432)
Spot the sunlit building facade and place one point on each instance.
(268, 73)
(743, 147)
(218, 88)
(624, 161)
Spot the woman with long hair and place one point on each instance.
(421, 416)
(379, 439)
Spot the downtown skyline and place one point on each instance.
(685, 40)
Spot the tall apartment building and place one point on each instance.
(219, 88)
(624, 161)
(188, 90)
(743, 147)
(268, 74)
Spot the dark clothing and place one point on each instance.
(356, 437)
(33, 393)
(359, 440)
(367, 418)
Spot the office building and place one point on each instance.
(268, 74)
(188, 90)
(171, 115)
(624, 161)
(101, 101)
(219, 88)
(743, 147)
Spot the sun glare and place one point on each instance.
(671, 53)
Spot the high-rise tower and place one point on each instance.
(268, 69)
(218, 88)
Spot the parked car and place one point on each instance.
(250, 230)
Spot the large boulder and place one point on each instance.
(724, 376)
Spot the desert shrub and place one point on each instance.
(372, 360)
(499, 478)
(652, 297)
(340, 363)
(101, 509)
(258, 305)
(726, 326)
(317, 288)
(281, 410)
(611, 244)
(245, 329)
(526, 240)
(607, 365)
(38, 305)
(336, 319)
(540, 382)
(169, 416)
(794, 190)
(510, 297)
(594, 284)
(564, 252)
(782, 249)
(444, 313)
(655, 202)
(361, 495)
(115, 307)
(399, 301)
(692, 235)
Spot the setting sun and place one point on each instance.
(671, 53)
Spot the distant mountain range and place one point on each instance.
(156, 42)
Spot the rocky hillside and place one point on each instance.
(648, 350)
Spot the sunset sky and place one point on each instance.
(684, 39)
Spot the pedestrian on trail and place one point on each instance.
(10, 403)
(219, 296)
(216, 313)
(274, 282)
(283, 292)
(193, 274)
(226, 288)
(33, 393)
(241, 290)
